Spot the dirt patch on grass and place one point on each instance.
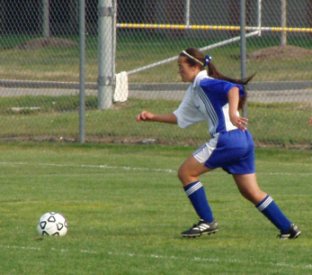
(279, 52)
(47, 42)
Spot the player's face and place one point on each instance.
(187, 72)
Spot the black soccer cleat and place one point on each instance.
(201, 228)
(293, 233)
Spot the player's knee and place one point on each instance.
(180, 174)
(184, 176)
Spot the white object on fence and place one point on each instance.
(121, 89)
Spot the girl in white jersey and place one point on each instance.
(217, 99)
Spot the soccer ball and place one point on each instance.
(52, 224)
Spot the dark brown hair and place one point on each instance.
(195, 57)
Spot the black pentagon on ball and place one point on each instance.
(59, 226)
(51, 219)
(43, 224)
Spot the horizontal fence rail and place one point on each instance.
(209, 27)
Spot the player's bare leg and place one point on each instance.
(249, 188)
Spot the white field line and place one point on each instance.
(162, 257)
(96, 166)
(128, 168)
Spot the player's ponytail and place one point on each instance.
(196, 58)
(213, 72)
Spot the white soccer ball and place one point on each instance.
(52, 224)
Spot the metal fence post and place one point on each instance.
(243, 45)
(106, 51)
(82, 71)
(46, 18)
(187, 12)
(283, 22)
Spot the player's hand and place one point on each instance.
(310, 121)
(240, 122)
(144, 116)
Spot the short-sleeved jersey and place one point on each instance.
(206, 99)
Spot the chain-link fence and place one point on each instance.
(39, 53)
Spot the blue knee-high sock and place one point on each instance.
(196, 193)
(270, 209)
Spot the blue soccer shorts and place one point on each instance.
(233, 151)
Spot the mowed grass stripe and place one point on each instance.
(159, 257)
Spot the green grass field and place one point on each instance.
(126, 208)
(58, 116)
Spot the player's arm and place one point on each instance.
(148, 116)
(236, 119)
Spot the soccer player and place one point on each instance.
(217, 99)
(310, 120)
